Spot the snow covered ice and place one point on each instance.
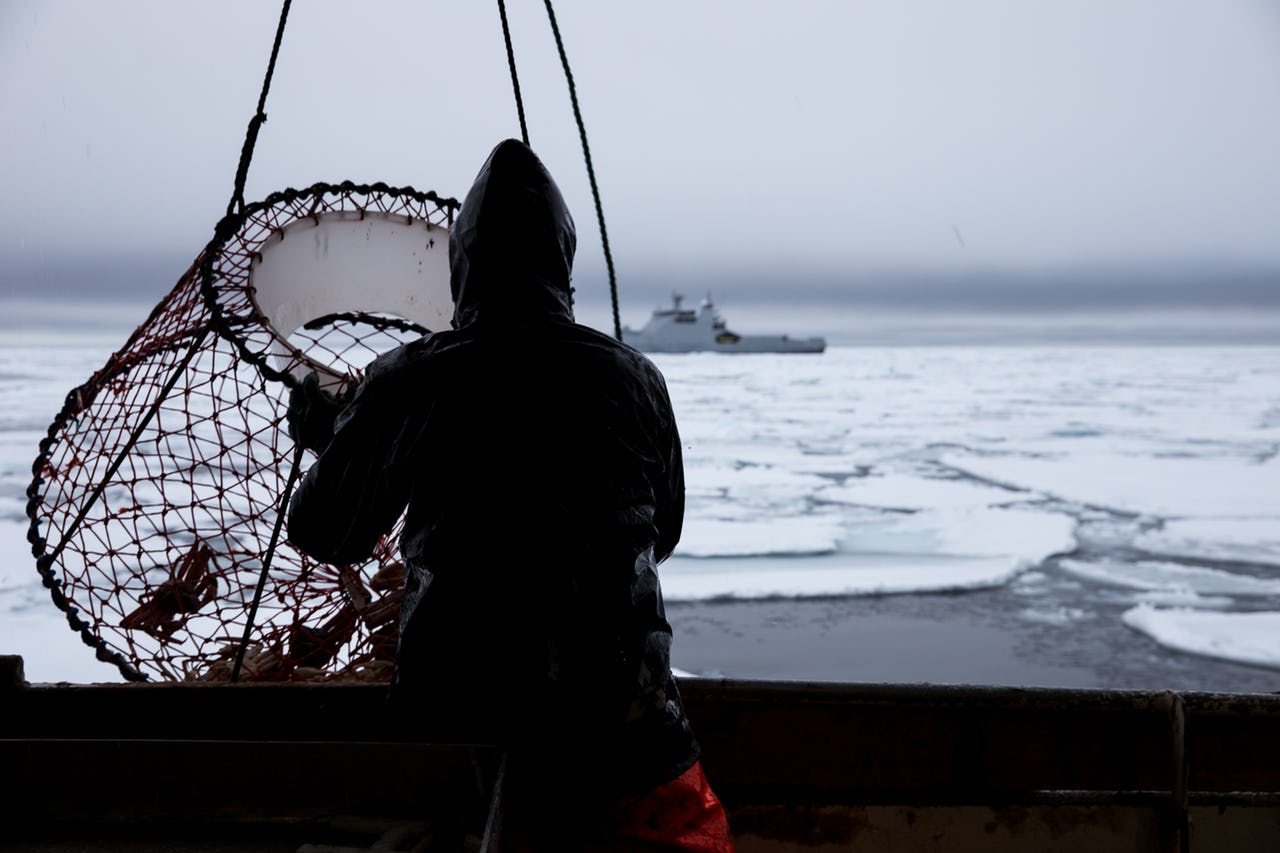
(1088, 496)
(1138, 478)
(1246, 637)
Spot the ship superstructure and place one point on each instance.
(680, 329)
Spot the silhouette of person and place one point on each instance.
(539, 470)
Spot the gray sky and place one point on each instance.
(1124, 151)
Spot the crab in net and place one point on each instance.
(156, 493)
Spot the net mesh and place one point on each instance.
(156, 490)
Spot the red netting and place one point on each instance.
(157, 488)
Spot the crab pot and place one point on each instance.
(156, 491)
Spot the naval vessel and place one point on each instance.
(679, 329)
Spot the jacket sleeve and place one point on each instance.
(356, 490)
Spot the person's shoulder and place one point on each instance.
(607, 342)
(624, 356)
(409, 368)
(415, 355)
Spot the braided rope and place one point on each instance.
(295, 467)
(259, 118)
(591, 172)
(511, 63)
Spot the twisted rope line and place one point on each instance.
(281, 513)
(259, 118)
(591, 172)
(511, 63)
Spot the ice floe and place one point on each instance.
(1250, 540)
(1252, 638)
(1149, 485)
(833, 575)
(1172, 577)
(906, 491)
(921, 552)
(1031, 535)
(768, 536)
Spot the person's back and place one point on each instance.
(544, 506)
(540, 464)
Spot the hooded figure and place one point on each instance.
(539, 469)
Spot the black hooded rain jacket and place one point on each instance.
(539, 469)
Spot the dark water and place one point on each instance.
(980, 637)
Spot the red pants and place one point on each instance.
(681, 815)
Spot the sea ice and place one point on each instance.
(1173, 432)
(17, 566)
(1250, 540)
(773, 535)
(1164, 486)
(50, 650)
(894, 553)
(1030, 535)
(1252, 638)
(1182, 597)
(906, 491)
(832, 575)
(748, 482)
(32, 627)
(1059, 615)
(1171, 577)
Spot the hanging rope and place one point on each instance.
(266, 561)
(511, 63)
(236, 205)
(591, 173)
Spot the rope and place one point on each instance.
(259, 118)
(266, 560)
(591, 174)
(129, 444)
(511, 63)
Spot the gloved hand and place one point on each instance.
(311, 414)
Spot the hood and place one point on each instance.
(511, 247)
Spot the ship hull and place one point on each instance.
(742, 344)
(800, 766)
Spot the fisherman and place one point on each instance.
(539, 468)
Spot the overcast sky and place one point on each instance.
(1125, 151)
